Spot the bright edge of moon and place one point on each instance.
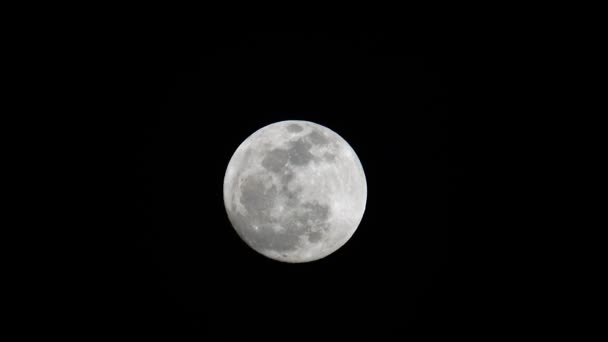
(295, 191)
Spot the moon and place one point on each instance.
(295, 191)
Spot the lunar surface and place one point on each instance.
(295, 191)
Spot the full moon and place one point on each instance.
(295, 191)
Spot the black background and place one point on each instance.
(181, 105)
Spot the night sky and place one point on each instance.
(184, 103)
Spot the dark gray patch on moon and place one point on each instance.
(314, 237)
(330, 157)
(275, 160)
(256, 198)
(294, 128)
(293, 198)
(259, 200)
(286, 177)
(299, 153)
(317, 138)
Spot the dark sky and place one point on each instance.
(185, 103)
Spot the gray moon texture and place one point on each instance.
(295, 191)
